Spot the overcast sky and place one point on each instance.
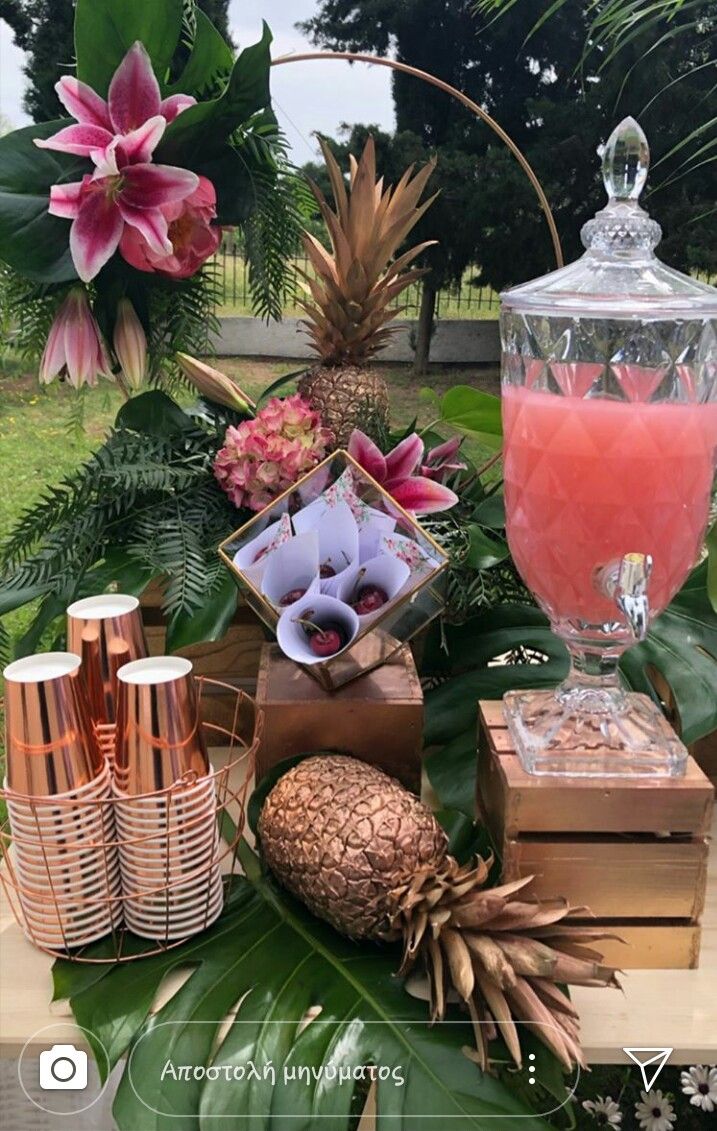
(307, 96)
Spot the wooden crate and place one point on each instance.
(377, 717)
(633, 851)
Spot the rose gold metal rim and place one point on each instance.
(61, 923)
(432, 80)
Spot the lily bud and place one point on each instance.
(213, 385)
(74, 347)
(130, 342)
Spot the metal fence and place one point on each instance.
(466, 300)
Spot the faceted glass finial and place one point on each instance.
(625, 161)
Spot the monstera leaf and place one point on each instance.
(469, 662)
(677, 663)
(268, 953)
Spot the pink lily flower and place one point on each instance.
(74, 345)
(118, 193)
(134, 115)
(441, 463)
(396, 473)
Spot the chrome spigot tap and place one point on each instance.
(626, 582)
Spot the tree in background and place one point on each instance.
(529, 77)
(44, 30)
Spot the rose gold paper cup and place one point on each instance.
(177, 922)
(189, 874)
(159, 737)
(35, 882)
(107, 632)
(49, 741)
(182, 795)
(172, 926)
(166, 808)
(182, 898)
(144, 856)
(73, 933)
(67, 892)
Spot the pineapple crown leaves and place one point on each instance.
(355, 284)
(505, 954)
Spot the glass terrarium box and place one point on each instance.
(338, 571)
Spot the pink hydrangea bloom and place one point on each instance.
(189, 231)
(265, 456)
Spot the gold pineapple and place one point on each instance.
(367, 856)
(351, 293)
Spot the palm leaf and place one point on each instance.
(268, 952)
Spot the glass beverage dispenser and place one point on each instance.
(610, 425)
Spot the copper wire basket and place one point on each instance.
(225, 812)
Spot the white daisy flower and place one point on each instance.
(605, 1112)
(700, 1084)
(655, 1113)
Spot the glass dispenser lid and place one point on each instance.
(619, 275)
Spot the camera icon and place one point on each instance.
(63, 1067)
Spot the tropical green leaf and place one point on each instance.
(209, 622)
(117, 572)
(106, 29)
(280, 383)
(452, 772)
(211, 58)
(452, 708)
(270, 954)
(678, 660)
(154, 414)
(11, 599)
(34, 243)
(201, 132)
(473, 412)
(485, 552)
(490, 512)
(49, 616)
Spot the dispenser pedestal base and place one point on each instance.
(596, 736)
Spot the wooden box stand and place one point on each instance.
(633, 851)
(377, 717)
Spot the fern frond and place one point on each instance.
(282, 203)
(153, 497)
(182, 316)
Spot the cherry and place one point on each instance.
(369, 599)
(327, 570)
(324, 641)
(292, 596)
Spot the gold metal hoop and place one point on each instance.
(377, 60)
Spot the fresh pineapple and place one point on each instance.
(351, 293)
(366, 855)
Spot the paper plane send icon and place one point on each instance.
(650, 1062)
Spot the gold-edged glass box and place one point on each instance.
(420, 599)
